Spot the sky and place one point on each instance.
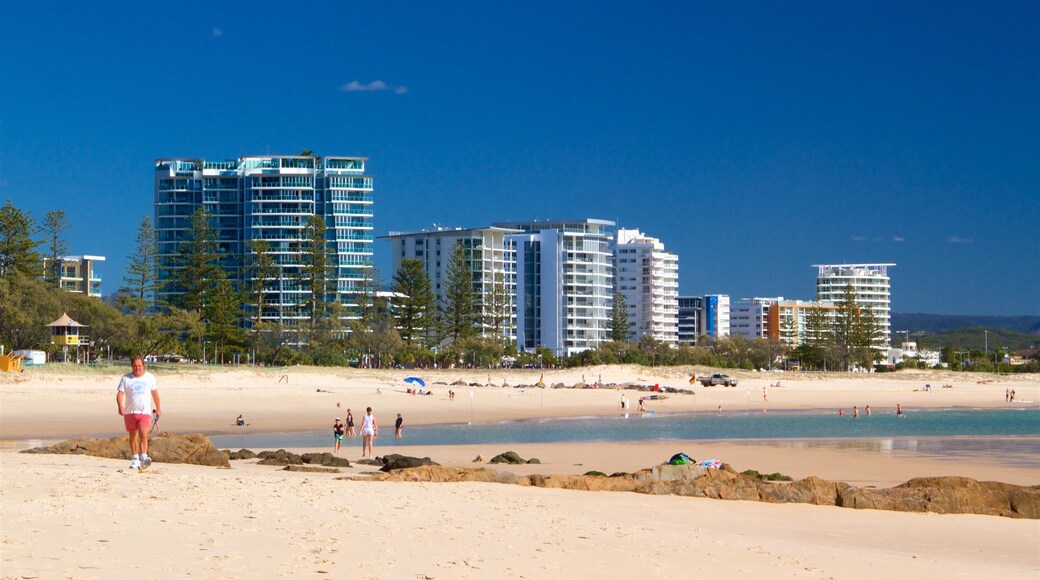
(754, 139)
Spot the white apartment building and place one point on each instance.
(870, 282)
(648, 278)
(79, 274)
(748, 316)
(564, 283)
(491, 261)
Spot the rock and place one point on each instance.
(395, 462)
(507, 457)
(369, 462)
(327, 459)
(280, 457)
(534, 460)
(478, 459)
(668, 472)
(310, 469)
(241, 454)
(194, 449)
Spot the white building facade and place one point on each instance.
(871, 283)
(715, 316)
(490, 259)
(648, 278)
(564, 283)
(748, 316)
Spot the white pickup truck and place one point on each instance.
(717, 379)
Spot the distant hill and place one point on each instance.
(974, 338)
(937, 323)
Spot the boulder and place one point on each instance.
(310, 469)
(394, 462)
(508, 457)
(194, 449)
(280, 457)
(327, 459)
(240, 454)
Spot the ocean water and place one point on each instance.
(952, 428)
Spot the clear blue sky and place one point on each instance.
(752, 138)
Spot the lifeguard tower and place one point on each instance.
(65, 331)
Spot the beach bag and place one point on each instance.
(681, 459)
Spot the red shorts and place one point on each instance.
(137, 422)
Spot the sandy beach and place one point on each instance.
(85, 517)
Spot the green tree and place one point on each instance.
(26, 305)
(869, 338)
(136, 294)
(458, 310)
(55, 226)
(496, 308)
(196, 268)
(316, 264)
(620, 328)
(416, 312)
(261, 272)
(847, 326)
(370, 307)
(17, 246)
(223, 314)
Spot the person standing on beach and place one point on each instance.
(765, 397)
(398, 425)
(337, 434)
(1007, 395)
(350, 424)
(369, 431)
(899, 410)
(137, 392)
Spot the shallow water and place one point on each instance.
(1010, 434)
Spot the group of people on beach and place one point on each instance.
(369, 431)
(1009, 395)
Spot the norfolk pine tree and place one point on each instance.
(17, 247)
(55, 225)
(459, 308)
(619, 324)
(136, 294)
(416, 310)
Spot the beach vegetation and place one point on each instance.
(416, 311)
(137, 294)
(55, 226)
(620, 327)
(18, 246)
(458, 309)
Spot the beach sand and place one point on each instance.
(86, 517)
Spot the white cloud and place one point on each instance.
(960, 240)
(864, 239)
(217, 32)
(898, 239)
(359, 87)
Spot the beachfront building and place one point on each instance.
(564, 283)
(79, 274)
(789, 321)
(648, 278)
(747, 316)
(689, 318)
(270, 198)
(490, 259)
(715, 317)
(870, 282)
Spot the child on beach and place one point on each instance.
(337, 434)
(350, 424)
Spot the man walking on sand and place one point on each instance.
(135, 395)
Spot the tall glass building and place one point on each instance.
(270, 198)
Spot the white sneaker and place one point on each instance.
(135, 464)
(146, 462)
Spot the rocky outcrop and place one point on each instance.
(310, 469)
(195, 449)
(394, 462)
(512, 457)
(283, 457)
(240, 454)
(943, 495)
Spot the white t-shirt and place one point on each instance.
(138, 393)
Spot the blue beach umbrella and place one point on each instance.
(415, 381)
